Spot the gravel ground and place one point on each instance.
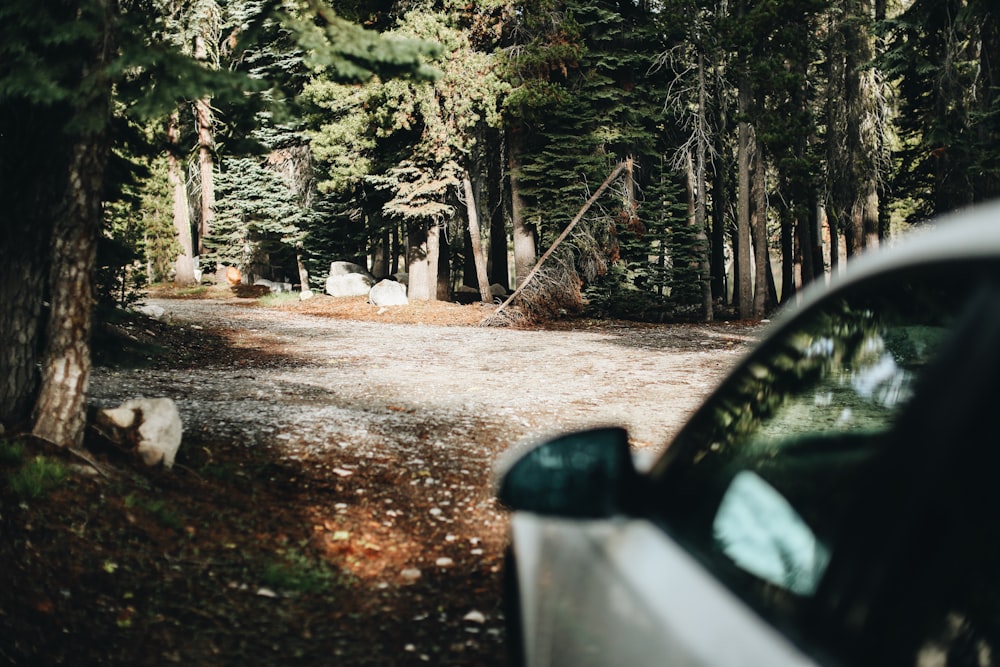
(316, 381)
(335, 435)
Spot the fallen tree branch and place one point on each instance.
(627, 164)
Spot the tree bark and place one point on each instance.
(303, 271)
(701, 218)
(862, 134)
(744, 288)
(60, 412)
(720, 192)
(476, 238)
(418, 265)
(765, 296)
(496, 263)
(423, 262)
(26, 212)
(206, 161)
(206, 169)
(184, 265)
(523, 234)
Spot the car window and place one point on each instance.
(760, 483)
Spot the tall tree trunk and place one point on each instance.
(206, 170)
(788, 255)
(184, 266)
(26, 211)
(523, 233)
(303, 271)
(60, 411)
(701, 218)
(764, 296)
(441, 287)
(475, 236)
(721, 180)
(380, 254)
(743, 288)
(864, 134)
(838, 183)
(496, 263)
(206, 161)
(418, 263)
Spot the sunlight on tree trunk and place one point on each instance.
(476, 237)
(206, 161)
(420, 264)
(206, 169)
(184, 266)
(59, 415)
(523, 235)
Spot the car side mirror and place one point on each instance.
(587, 474)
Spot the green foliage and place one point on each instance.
(159, 243)
(585, 95)
(37, 478)
(11, 452)
(941, 55)
(278, 299)
(120, 275)
(298, 573)
(158, 508)
(259, 219)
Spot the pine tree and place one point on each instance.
(67, 71)
(941, 55)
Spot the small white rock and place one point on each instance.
(444, 562)
(410, 574)
(475, 617)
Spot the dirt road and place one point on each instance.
(378, 439)
(319, 382)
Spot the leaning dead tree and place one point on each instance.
(540, 288)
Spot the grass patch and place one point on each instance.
(197, 290)
(37, 477)
(159, 509)
(275, 299)
(297, 573)
(11, 453)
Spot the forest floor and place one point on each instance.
(332, 499)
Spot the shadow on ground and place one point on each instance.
(247, 555)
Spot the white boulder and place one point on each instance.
(153, 424)
(348, 279)
(152, 311)
(388, 293)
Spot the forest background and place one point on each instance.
(767, 142)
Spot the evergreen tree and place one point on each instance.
(941, 55)
(67, 70)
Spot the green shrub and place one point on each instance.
(159, 509)
(37, 477)
(11, 453)
(297, 573)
